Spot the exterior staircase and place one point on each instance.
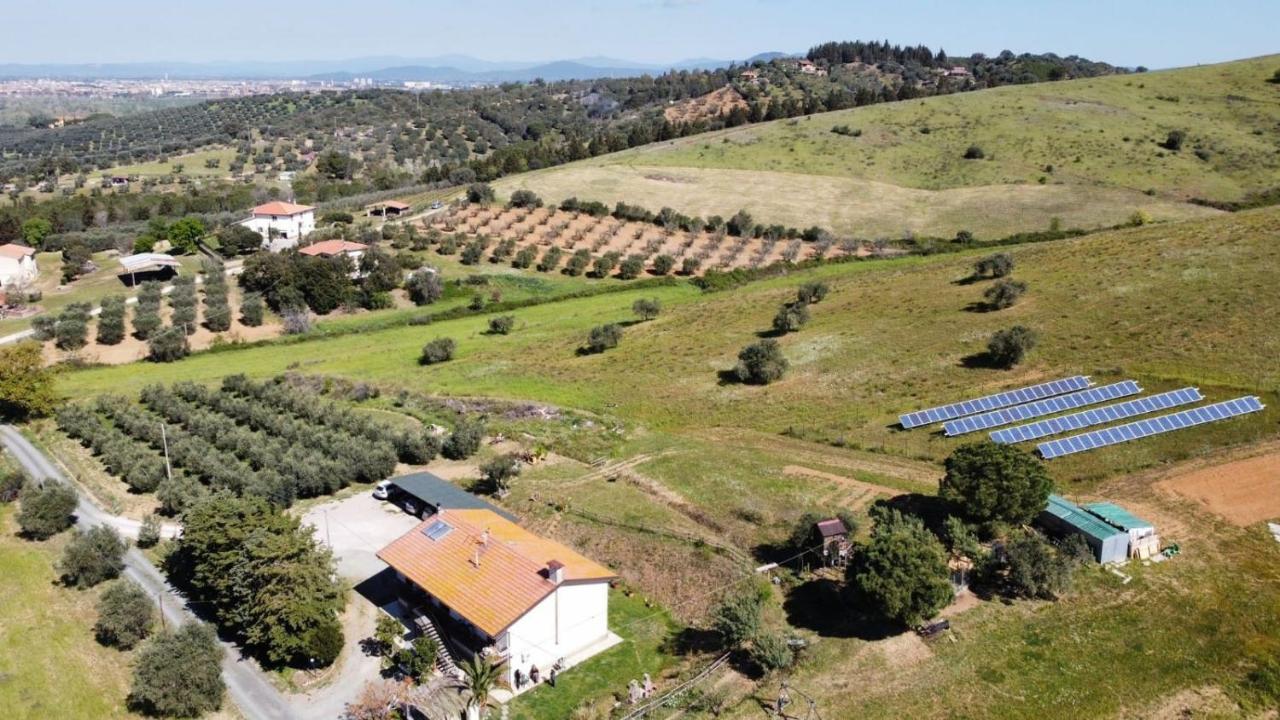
(445, 661)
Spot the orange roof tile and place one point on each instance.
(281, 208)
(332, 247)
(15, 251)
(510, 578)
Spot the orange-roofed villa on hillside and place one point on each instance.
(281, 224)
(483, 584)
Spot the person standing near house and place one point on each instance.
(647, 686)
(534, 675)
(551, 679)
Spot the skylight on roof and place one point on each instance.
(437, 530)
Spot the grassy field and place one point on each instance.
(1085, 151)
(192, 165)
(1185, 304)
(50, 665)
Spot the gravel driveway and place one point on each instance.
(356, 528)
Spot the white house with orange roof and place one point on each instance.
(17, 265)
(488, 586)
(281, 224)
(333, 248)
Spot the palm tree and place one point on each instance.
(479, 678)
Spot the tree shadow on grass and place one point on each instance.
(980, 307)
(728, 377)
(821, 605)
(692, 641)
(970, 280)
(980, 361)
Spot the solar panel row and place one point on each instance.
(1048, 406)
(993, 402)
(1098, 416)
(1149, 427)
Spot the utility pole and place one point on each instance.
(164, 438)
(160, 602)
(327, 538)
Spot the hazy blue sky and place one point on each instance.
(1156, 33)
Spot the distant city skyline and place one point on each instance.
(1155, 34)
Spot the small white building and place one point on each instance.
(489, 586)
(281, 224)
(17, 265)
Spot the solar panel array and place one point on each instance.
(1152, 426)
(1048, 406)
(1098, 416)
(993, 402)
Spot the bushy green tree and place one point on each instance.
(771, 652)
(996, 266)
(419, 660)
(238, 240)
(251, 310)
(93, 556)
(1007, 348)
(1004, 294)
(498, 472)
(464, 441)
(603, 337)
(168, 345)
(1035, 568)
(631, 268)
(416, 446)
(35, 231)
(736, 619)
(761, 363)
(126, 615)
(646, 308)
(26, 385)
(502, 324)
(990, 482)
(663, 265)
(480, 193)
(811, 293)
(791, 317)
(179, 673)
(184, 233)
(149, 531)
(525, 199)
(690, 266)
(901, 572)
(437, 351)
(111, 321)
(425, 286)
(45, 509)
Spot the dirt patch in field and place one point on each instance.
(1191, 703)
(1242, 491)
(869, 489)
(705, 107)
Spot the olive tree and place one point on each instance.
(646, 308)
(179, 673)
(93, 556)
(1007, 348)
(761, 363)
(603, 337)
(46, 509)
(125, 615)
(1004, 294)
(437, 351)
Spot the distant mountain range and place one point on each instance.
(457, 69)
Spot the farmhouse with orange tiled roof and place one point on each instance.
(483, 584)
(281, 224)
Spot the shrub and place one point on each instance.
(1008, 347)
(437, 351)
(996, 266)
(646, 308)
(973, 152)
(179, 673)
(736, 619)
(812, 293)
(497, 473)
(11, 484)
(424, 286)
(337, 218)
(111, 321)
(44, 327)
(502, 324)
(901, 572)
(46, 509)
(295, 320)
(989, 482)
(419, 661)
(125, 615)
(761, 363)
(479, 193)
(663, 265)
(464, 441)
(604, 264)
(149, 532)
(1004, 294)
(550, 259)
(525, 257)
(93, 556)
(251, 310)
(1035, 568)
(690, 265)
(415, 446)
(323, 642)
(771, 652)
(791, 317)
(71, 333)
(525, 199)
(603, 337)
(168, 345)
(578, 262)
(1174, 140)
(631, 268)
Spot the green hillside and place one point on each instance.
(1087, 151)
(1171, 305)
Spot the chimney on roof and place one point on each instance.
(555, 572)
(484, 538)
